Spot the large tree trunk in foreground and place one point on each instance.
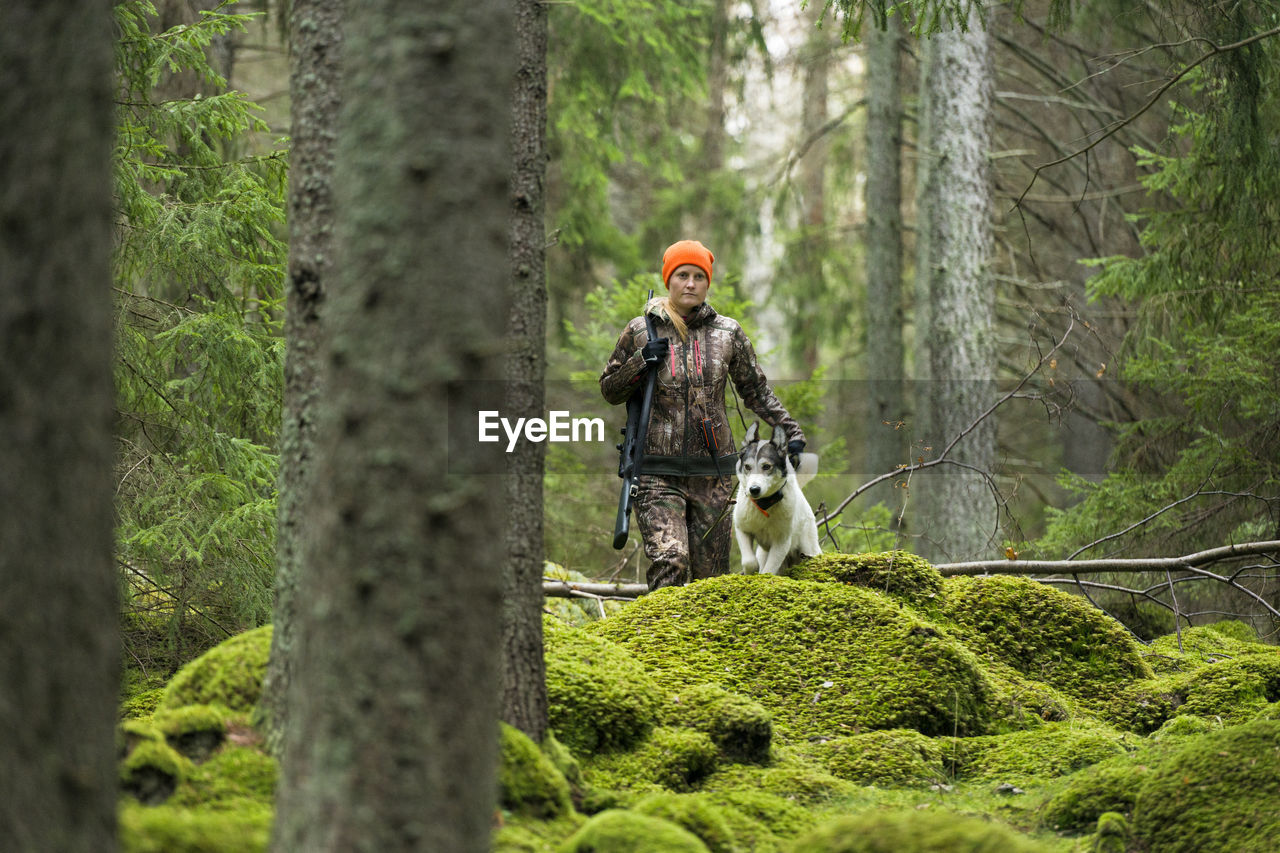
(524, 685)
(59, 648)
(955, 294)
(393, 701)
(315, 43)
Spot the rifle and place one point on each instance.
(631, 449)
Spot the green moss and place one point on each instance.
(740, 727)
(696, 813)
(152, 771)
(1109, 786)
(229, 674)
(1143, 706)
(1112, 835)
(895, 573)
(792, 781)
(194, 730)
(166, 829)
(231, 779)
(1234, 629)
(1202, 646)
(932, 831)
(524, 834)
(888, 758)
(617, 831)
(673, 759)
(1184, 726)
(1044, 633)
(599, 697)
(1216, 792)
(1234, 690)
(760, 819)
(1270, 712)
(141, 706)
(528, 782)
(1054, 749)
(822, 658)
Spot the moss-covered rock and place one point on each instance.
(896, 758)
(599, 697)
(165, 829)
(823, 658)
(528, 781)
(1044, 633)
(1109, 786)
(1184, 726)
(229, 675)
(1054, 749)
(1204, 645)
(671, 758)
(1234, 690)
(1216, 792)
(740, 727)
(895, 573)
(233, 778)
(141, 705)
(1112, 834)
(793, 781)
(152, 771)
(617, 831)
(194, 730)
(696, 813)
(932, 831)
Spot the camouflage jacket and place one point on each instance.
(691, 388)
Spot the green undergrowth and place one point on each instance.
(846, 708)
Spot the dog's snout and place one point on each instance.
(755, 491)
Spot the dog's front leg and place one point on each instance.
(748, 549)
(773, 562)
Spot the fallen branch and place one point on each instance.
(1137, 564)
(574, 589)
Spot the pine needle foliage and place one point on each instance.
(199, 354)
(1202, 468)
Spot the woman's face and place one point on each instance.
(687, 287)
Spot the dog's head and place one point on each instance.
(762, 465)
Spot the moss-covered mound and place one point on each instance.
(528, 782)
(740, 727)
(823, 658)
(1220, 791)
(1054, 749)
(914, 832)
(674, 759)
(696, 813)
(1045, 634)
(1109, 786)
(599, 696)
(887, 758)
(895, 573)
(229, 675)
(617, 831)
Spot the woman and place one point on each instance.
(686, 474)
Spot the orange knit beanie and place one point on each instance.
(686, 252)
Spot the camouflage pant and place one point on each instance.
(674, 515)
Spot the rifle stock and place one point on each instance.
(632, 447)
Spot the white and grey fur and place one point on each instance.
(785, 532)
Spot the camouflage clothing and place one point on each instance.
(683, 485)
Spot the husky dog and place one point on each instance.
(772, 520)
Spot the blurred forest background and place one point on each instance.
(1127, 293)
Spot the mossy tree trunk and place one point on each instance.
(955, 294)
(59, 646)
(524, 687)
(394, 696)
(315, 45)
(886, 447)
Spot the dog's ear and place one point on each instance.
(753, 433)
(779, 439)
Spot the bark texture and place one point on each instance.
(886, 444)
(394, 697)
(59, 652)
(524, 686)
(315, 42)
(955, 292)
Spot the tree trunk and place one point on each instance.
(813, 304)
(394, 699)
(59, 646)
(955, 292)
(315, 44)
(524, 686)
(886, 444)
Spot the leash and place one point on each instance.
(719, 518)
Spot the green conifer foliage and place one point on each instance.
(198, 279)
